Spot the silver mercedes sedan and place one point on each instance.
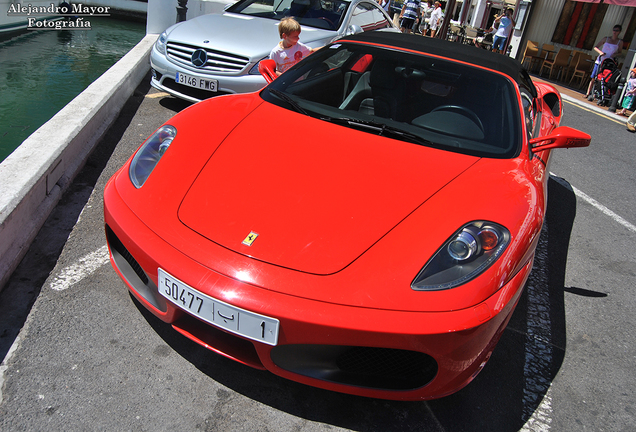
(219, 53)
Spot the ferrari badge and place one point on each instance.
(250, 238)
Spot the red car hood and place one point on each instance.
(317, 201)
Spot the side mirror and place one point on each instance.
(353, 29)
(267, 68)
(561, 137)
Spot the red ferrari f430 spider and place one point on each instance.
(365, 223)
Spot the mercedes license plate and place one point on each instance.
(235, 320)
(200, 83)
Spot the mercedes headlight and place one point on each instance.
(464, 256)
(161, 43)
(254, 70)
(149, 154)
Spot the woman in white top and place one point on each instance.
(427, 10)
(436, 18)
(608, 47)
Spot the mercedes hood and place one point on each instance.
(244, 35)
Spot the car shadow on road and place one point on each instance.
(174, 104)
(510, 390)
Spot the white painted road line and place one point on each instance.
(596, 204)
(4, 366)
(85, 266)
(537, 402)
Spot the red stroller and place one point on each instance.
(606, 82)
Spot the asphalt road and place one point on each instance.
(88, 357)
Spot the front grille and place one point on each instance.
(371, 367)
(386, 362)
(118, 246)
(218, 61)
(133, 273)
(217, 340)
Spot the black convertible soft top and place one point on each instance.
(450, 50)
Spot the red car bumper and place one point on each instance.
(369, 352)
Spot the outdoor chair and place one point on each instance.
(547, 53)
(582, 69)
(559, 63)
(531, 54)
(574, 60)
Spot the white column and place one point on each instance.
(161, 15)
(479, 13)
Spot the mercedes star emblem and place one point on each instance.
(199, 58)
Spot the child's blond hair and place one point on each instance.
(288, 26)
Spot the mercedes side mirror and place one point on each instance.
(353, 29)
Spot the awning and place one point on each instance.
(630, 3)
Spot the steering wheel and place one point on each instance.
(328, 20)
(462, 110)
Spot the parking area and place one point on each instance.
(88, 357)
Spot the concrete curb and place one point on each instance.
(36, 174)
(596, 109)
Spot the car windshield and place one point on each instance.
(413, 97)
(324, 14)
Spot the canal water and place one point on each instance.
(43, 70)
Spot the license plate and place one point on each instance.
(220, 314)
(200, 83)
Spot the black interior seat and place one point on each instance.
(385, 89)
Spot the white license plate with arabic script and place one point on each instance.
(235, 320)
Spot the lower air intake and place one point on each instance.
(379, 368)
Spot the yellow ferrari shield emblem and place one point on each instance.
(250, 238)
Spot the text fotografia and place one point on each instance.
(63, 9)
(75, 24)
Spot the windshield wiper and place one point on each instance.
(381, 129)
(284, 96)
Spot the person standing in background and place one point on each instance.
(427, 10)
(630, 92)
(608, 47)
(436, 18)
(506, 24)
(410, 13)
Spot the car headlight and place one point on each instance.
(161, 43)
(464, 256)
(254, 70)
(149, 154)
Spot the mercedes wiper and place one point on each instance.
(284, 96)
(381, 129)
